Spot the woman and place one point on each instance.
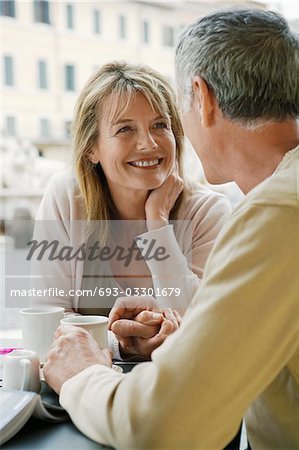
(127, 190)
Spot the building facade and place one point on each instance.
(50, 49)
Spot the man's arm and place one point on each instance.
(240, 333)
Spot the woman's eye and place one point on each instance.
(124, 129)
(161, 125)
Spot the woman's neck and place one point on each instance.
(129, 205)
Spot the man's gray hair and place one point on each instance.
(249, 58)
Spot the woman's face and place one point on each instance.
(136, 149)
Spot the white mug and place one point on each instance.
(39, 326)
(95, 325)
(21, 371)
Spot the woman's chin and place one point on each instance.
(148, 184)
(151, 186)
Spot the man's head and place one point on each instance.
(245, 63)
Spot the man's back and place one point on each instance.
(275, 412)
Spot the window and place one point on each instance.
(10, 126)
(8, 68)
(168, 36)
(7, 8)
(69, 72)
(122, 27)
(96, 21)
(145, 32)
(41, 11)
(44, 128)
(70, 17)
(67, 127)
(42, 74)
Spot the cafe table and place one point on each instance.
(39, 435)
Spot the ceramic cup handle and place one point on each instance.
(26, 363)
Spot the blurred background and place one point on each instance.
(49, 50)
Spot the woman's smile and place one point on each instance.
(147, 164)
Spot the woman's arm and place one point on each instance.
(49, 272)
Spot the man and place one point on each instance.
(236, 350)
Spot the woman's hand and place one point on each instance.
(161, 200)
(140, 327)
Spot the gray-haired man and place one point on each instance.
(237, 348)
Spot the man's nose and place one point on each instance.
(146, 141)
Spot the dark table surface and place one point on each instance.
(40, 435)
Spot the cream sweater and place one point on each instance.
(236, 350)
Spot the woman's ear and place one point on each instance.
(93, 157)
(205, 100)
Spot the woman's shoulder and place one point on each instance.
(63, 182)
(63, 187)
(62, 196)
(200, 202)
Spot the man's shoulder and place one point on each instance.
(281, 188)
(263, 229)
(276, 193)
(269, 213)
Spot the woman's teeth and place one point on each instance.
(154, 162)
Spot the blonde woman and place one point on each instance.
(128, 177)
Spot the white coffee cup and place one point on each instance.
(39, 326)
(95, 325)
(21, 371)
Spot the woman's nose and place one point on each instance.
(146, 141)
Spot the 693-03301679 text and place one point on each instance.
(140, 291)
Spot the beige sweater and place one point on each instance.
(236, 349)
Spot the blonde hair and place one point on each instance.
(124, 80)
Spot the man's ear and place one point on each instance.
(205, 100)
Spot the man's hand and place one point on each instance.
(73, 350)
(140, 326)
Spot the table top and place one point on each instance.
(40, 435)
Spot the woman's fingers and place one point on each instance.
(132, 328)
(150, 317)
(178, 317)
(130, 307)
(147, 346)
(172, 317)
